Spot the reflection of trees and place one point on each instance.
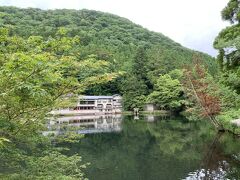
(219, 161)
(212, 153)
(163, 149)
(180, 139)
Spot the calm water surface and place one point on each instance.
(155, 148)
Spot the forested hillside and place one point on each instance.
(50, 57)
(141, 55)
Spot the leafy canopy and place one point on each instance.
(34, 74)
(167, 93)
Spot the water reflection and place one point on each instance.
(216, 163)
(150, 147)
(153, 148)
(89, 124)
(84, 124)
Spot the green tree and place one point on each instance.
(34, 74)
(167, 93)
(139, 63)
(228, 40)
(134, 92)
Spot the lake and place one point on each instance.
(153, 148)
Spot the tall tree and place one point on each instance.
(134, 91)
(200, 92)
(139, 63)
(139, 66)
(228, 40)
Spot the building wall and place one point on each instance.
(117, 104)
(107, 105)
(149, 107)
(94, 105)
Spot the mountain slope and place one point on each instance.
(100, 32)
(108, 37)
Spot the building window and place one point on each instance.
(87, 102)
(109, 105)
(100, 106)
(84, 108)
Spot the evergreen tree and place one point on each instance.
(139, 64)
(139, 67)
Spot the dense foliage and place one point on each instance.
(168, 93)
(228, 44)
(34, 73)
(143, 55)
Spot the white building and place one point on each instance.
(150, 107)
(94, 105)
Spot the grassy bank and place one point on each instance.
(226, 119)
(156, 113)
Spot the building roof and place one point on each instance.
(99, 97)
(96, 97)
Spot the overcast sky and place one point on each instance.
(193, 23)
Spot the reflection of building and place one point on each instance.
(95, 105)
(150, 118)
(85, 124)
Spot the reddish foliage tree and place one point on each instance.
(198, 89)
